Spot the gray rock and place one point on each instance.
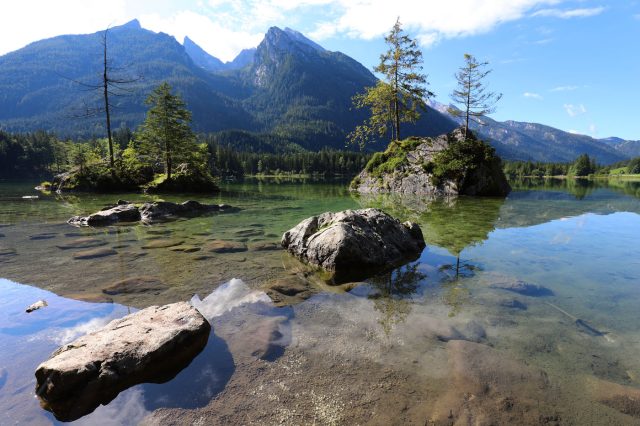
(221, 246)
(107, 216)
(513, 304)
(151, 345)
(524, 288)
(412, 176)
(131, 285)
(82, 243)
(161, 210)
(354, 243)
(37, 305)
(94, 253)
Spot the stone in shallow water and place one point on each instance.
(6, 251)
(81, 243)
(524, 288)
(107, 216)
(513, 304)
(249, 232)
(220, 246)
(162, 243)
(185, 249)
(139, 284)
(265, 247)
(151, 345)
(89, 297)
(354, 244)
(94, 253)
(43, 236)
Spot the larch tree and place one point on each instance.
(400, 96)
(166, 132)
(472, 94)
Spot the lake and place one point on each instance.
(451, 338)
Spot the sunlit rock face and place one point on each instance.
(354, 243)
(151, 345)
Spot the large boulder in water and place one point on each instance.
(447, 165)
(120, 213)
(354, 244)
(151, 345)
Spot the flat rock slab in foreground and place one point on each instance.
(151, 345)
(147, 212)
(354, 244)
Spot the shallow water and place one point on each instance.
(438, 341)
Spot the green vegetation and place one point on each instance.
(399, 96)
(583, 166)
(392, 158)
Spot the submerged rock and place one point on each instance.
(139, 284)
(151, 345)
(221, 246)
(513, 304)
(524, 288)
(82, 243)
(354, 244)
(94, 253)
(162, 243)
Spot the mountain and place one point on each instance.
(515, 140)
(210, 63)
(288, 90)
(200, 57)
(43, 85)
(288, 87)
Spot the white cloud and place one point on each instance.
(531, 95)
(368, 19)
(569, 13)
(217, 39)
(575, 110)
(564, 88)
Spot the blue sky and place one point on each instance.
(570, 64)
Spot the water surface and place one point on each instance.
(437, 341)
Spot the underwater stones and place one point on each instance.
(92, 297)
(354, 243)
(7, 251)
(288, 290)
(43, 236)
(186, 249)
(94, 253)
(264, 246)
(161, 243)
(249, 233)
(513, 304)
(2, 235)
(222, 246)
(261, 338)
(107, 216)
(130, 285)
(523, 288)
(151, 345)
(473, 331)
(82, 243)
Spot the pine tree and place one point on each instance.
(166, 132)
(400, 97)
(472, 93)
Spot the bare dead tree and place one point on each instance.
(109, 86)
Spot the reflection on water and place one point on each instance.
(435, 341)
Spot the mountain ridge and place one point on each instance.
(288, 86)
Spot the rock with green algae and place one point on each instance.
(447, 165)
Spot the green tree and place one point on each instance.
(472, 94)
(583, 166)
(166, 133)
(402, 93)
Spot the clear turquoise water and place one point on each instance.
(387, 336)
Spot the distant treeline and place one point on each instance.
(582, 166)
(42, 154)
